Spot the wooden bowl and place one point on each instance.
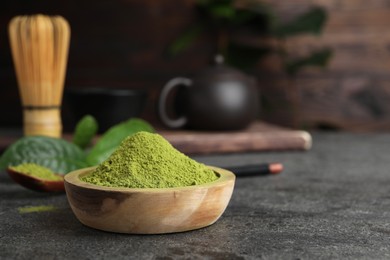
(148, 210)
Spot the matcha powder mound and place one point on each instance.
(146, 160)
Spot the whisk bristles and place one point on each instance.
(39, 45)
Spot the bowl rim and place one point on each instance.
(72, 178)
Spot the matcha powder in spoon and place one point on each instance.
(147, 160)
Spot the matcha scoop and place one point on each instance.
(36, 177)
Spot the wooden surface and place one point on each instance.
(353, 92)
(148, 211)
(109, 48)
(259, 136)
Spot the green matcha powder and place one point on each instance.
(146, 160)
(37, 171)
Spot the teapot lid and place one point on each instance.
(219, 59)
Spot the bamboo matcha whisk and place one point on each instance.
(39, 45)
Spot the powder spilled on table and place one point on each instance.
(32, 209)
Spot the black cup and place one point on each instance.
(109, 106)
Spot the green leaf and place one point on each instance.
(57, 154)
(243, 56)
(108, 143)
(318, 58)
(84, 132)
(258, 17)
(243, 17)
(224, 11)
(185, 40)
(310, 22)
(216, 11)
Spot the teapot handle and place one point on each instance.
(175, 82)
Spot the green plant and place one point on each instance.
(62, 156)
(229, 22)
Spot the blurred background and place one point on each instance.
(143, 44)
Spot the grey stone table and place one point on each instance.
(332, 202)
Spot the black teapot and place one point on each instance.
(218, 98)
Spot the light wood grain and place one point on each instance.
(148, 211)
(45, 122)
(39, 45)
(259, 136)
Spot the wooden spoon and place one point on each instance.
(35, 183)
(148, 210)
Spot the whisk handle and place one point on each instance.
(44, 120)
